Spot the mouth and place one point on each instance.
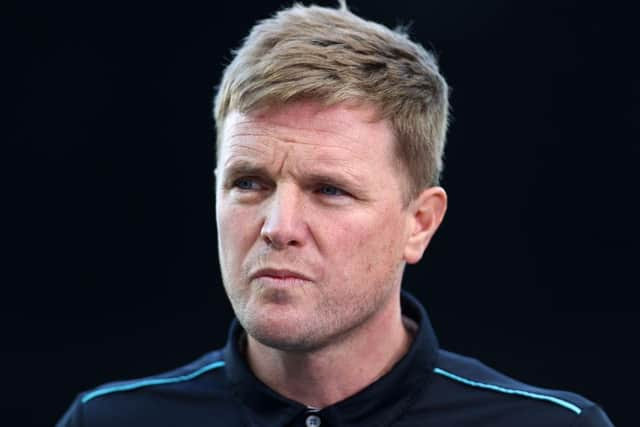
(280, 275)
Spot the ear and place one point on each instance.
(427, 211)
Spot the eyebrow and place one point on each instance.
(244, 167)
(339, 178)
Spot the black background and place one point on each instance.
(110, 267)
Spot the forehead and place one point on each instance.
(342, 130)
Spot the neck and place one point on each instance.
(327, 375)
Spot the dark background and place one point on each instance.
(109, 268)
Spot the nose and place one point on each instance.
(284, 224)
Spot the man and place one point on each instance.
(331, 131)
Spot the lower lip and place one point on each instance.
(280, 281)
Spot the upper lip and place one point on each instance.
(281, 273)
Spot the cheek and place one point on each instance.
(366, 244)
(236, 230)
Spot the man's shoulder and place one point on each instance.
(482, 393)
(185, 379)
(157, 396)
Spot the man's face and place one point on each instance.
(311, 223)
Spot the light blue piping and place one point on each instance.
(555, 400)
(145, 383)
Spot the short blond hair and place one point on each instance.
(334, 56)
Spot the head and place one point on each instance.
(333, 56)
(330, 138)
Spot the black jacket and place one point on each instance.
(427, 387)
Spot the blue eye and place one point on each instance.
(330, 190)
(246, 184)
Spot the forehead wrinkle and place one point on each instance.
(280, 133)
(242, 148)
(262, 148)
(260, 139)
(322, 161)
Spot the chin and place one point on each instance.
(287, 333)
(289, 343)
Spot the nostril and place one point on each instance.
(279, 239)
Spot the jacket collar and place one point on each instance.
(380, 403)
